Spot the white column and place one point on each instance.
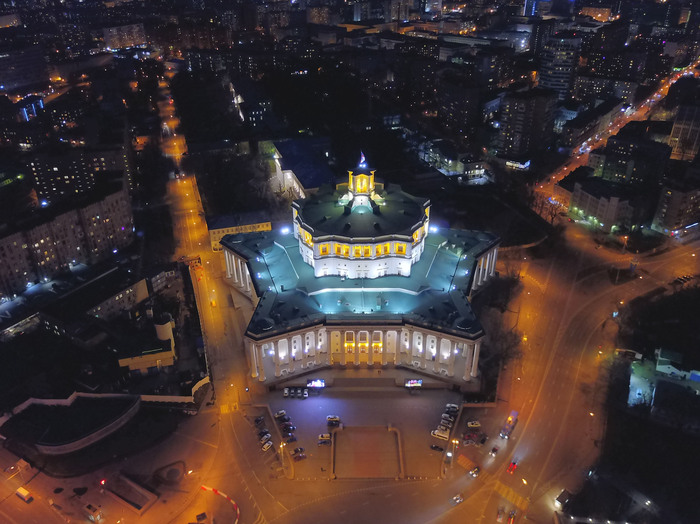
(317, 350)
(261, 365)
(477, 277)
(236, 269)
(467, 354)
(475, 360)
(487, 266)
(247, 279)
(239, 272)
(357, 349)
(343, 349)
(253, 359)
(277, 359)
(228, 265)
(451, 360)
(385, 347)
(370, 355)
(493, 261)
(424, 352)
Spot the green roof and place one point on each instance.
(292, 297)
(393, 213)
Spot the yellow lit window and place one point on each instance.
(368, 251)
(346, 251)
(323, 249)
(400, 249)
(338, 249)
(357, 251)
(387, 248)
(379, 250)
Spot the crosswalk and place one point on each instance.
(228, 408)
(504, 491)
(260, 520)
(511, 496)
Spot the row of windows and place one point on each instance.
(363, 251)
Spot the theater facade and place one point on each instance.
(361, 278)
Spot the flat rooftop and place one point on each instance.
(435, 296)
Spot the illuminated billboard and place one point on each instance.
(413, 383)
(316, 383)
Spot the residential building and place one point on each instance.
(527, 122)
(559, 59)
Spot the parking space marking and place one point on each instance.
(511, 496)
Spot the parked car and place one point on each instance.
(297, 450)
(435, 447)
(262, 432)
(300, 456)
(451, 407)
(291, 439)
(306, 393)
(267, 445)
(287, 426)
(285, 418)
(259, 420)
(286, 392)
(446, 423)
(333, 423)
(281, 413)
(499, 515)
(332, 418)
(473, 424)
(447, 416)
(265, 438)
(287, 434)
(443, 428)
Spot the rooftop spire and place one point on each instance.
(363, 162)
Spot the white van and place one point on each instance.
(93, 513)
(23, 494)
(441, 434)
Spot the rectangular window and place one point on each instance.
(400, 248)
(357, 251)
(323, 249)
(338, 249)
(367, 251)
(379, 250)
(346, 251)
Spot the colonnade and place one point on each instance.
(429, 351)
(237, 271)
(485, 267)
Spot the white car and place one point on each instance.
(332, 418)
(442, 435)
(267, 445)
(281, 413)
(306, 393)
(448, 417)
(266, 437)
(457, 499)
(286, 392)
(451, 407)
(473, 424)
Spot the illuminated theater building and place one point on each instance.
(361, 279)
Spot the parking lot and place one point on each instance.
(366, 449)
